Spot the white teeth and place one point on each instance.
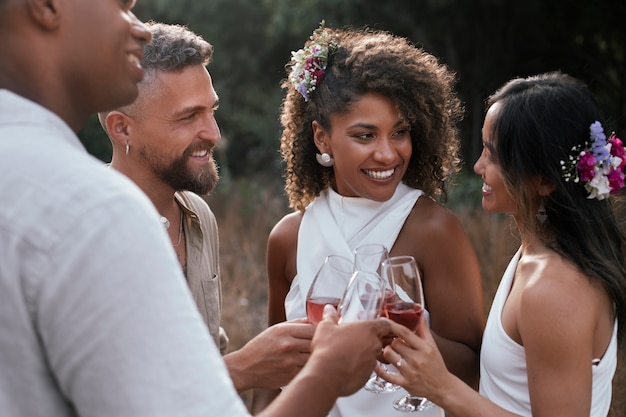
(380, 175)
(133, 59)
(200, 153)
(486, 188)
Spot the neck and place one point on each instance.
(161, 194)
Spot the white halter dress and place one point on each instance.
(503, 373)
(334, 224)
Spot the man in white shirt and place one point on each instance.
(95, 316)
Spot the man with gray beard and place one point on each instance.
(164, 142)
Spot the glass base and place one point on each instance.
(377, 385)
(410, 403)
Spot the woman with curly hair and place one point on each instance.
(370, 141)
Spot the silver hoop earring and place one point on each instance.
(127, 148)
(325, 160)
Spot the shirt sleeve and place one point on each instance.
(118, 324)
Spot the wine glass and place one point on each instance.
(369, 257)
(328, 286)
(405, 309)
(363, 298)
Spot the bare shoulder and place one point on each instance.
(554, 282)
(435, 237)
(282, 247)
(431, 224)
(555, 289)
(285, 232)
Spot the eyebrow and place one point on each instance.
(370, 126)
(192, 109)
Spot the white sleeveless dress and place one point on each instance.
(503, 375)
(333, 224)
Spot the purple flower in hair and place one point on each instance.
(586, 166)
(599, 165)
(309, 63)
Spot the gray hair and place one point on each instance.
(172, 48)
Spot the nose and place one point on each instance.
(385, 151)
(139, 30)
(210, 130)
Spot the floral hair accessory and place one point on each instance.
(599, 164)
(309, 63)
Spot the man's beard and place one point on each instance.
(179, 176)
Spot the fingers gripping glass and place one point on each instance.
(405, 308)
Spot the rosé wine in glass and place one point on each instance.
(315, 307)
(405, 313)
(407, 310)
(328, 286)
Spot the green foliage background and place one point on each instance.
(485, 41)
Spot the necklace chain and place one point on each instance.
(180, 229)
(166, 223)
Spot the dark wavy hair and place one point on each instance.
(368, 61)
(541, 118)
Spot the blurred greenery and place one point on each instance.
(486, 42)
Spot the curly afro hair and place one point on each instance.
(371, 61)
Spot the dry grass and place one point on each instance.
(245, 216)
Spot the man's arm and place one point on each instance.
(342, 359)
(273, 358)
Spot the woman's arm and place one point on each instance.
(423, 372)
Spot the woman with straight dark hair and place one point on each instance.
(551, 340)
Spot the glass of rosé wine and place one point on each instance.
(369, 257)
(406, 308)
(328, 286)
(363, 298)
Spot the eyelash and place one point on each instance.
(195, 114)
(369, 135)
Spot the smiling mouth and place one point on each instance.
(134, 59)
(486, 188)
(201, 153)
(379, 175)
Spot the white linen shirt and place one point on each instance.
(95, 315)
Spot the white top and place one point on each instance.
(95, 316)
(503, 376)
(334, 224)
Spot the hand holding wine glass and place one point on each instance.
(328, 286)
(406, 308)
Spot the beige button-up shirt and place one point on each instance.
(203, 272)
